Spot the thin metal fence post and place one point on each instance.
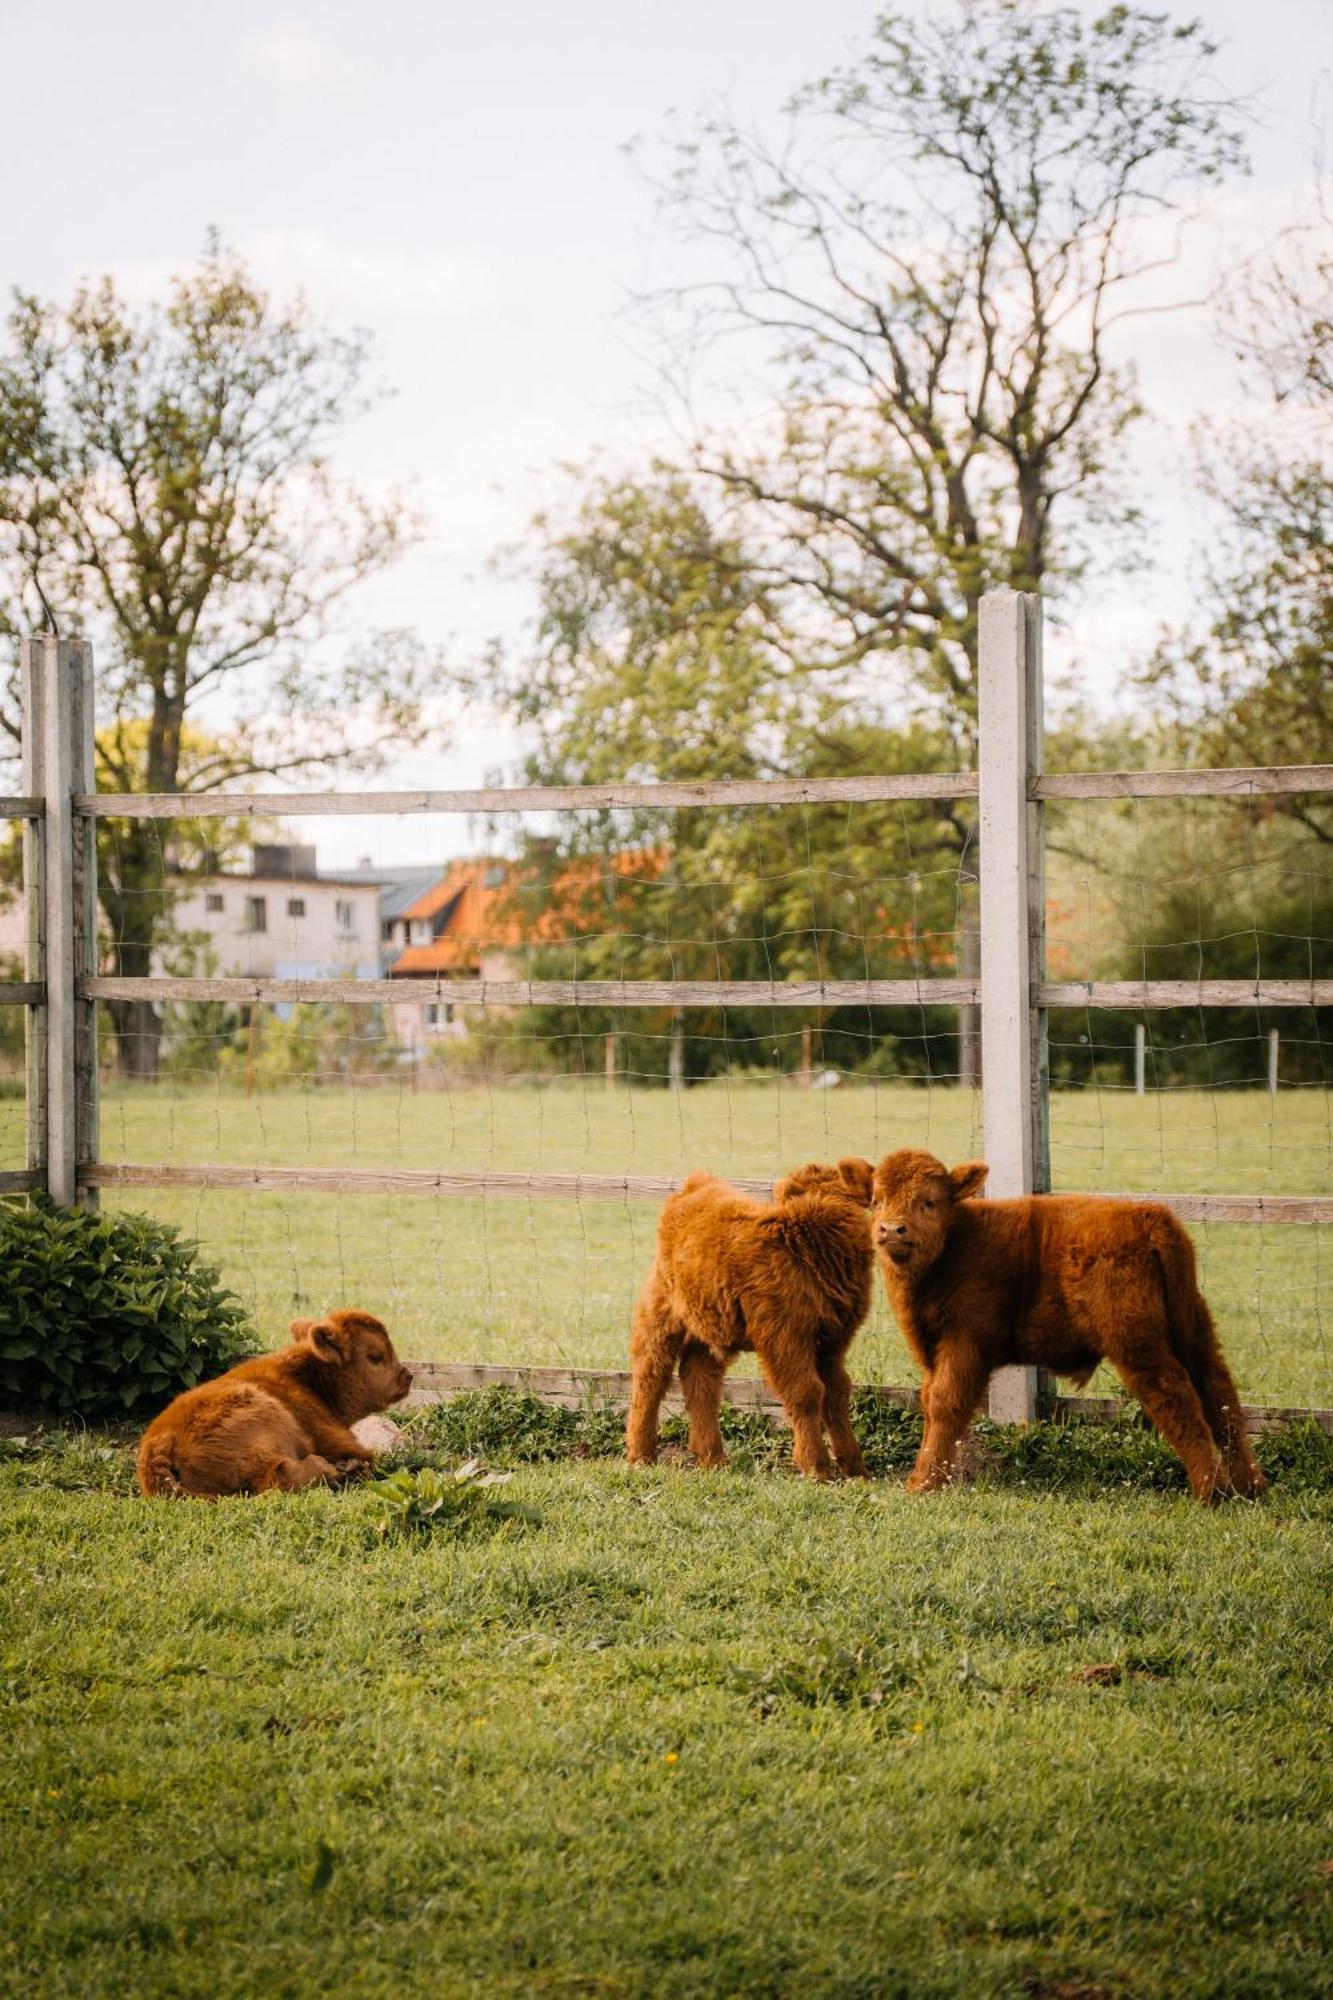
(1140, 1058)
(1273, 1045)
(32, 690)
(1013, 1069)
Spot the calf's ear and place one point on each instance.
(300, 1329)
(858, 1177)
(328, 1341)
(968, 1179)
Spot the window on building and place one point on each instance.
(346, 917)
(214, 903)
(438, 1014)
(386, 930)
(420, 930)
(256, 913)
(296, 906)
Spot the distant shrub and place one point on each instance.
(108, 1315)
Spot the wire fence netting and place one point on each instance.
(1171, 889)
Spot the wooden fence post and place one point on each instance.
(1014, 1062)
(58, 680)
(84, 761)
(32, 693)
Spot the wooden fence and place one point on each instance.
(62, 984)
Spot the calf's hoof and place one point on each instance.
(1215, 1488)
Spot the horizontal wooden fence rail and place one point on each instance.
(692, 993)
(1146, 994)
(24, 806)
(22, 992)
(606, 1388)
(536, 798)
(547, 992)
(1306, 1210)
(19, 1180)
(1257, 782)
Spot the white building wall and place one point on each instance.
(310, 929)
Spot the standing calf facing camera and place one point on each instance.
(1062, 1282)
(281, 1421)
(790, 1279)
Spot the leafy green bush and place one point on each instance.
(108, 1315)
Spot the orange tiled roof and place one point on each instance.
(476, 901)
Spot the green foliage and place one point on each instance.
(108, 1315)
(497, 1423)
(1076, 1455)
(419, 1503)
(165, 479)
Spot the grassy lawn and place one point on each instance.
(687, 1734)
(553, 1282)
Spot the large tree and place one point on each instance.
(165, 488)
(927, 267)
(1255, 685)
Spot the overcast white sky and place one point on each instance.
(452, 177)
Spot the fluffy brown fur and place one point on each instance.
(282, 1420)
(790, 1278)
(1062, 1282)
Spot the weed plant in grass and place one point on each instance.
(689, 1734)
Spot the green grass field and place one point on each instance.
(553, 1282)
(685, 1735)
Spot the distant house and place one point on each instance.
(471, 924)
(463, 925)
(283, 919)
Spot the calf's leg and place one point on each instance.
(949, 1398)
(838, 1416)
(1221, 1407)
(654, 1345)
(289, 1475)
(1166, 1392)
(701, 1374)
(790, 1368)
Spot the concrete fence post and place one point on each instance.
(1014, 1058)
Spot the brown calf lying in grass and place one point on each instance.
(1062, 1282)
(790, 1278)
(280, 1421)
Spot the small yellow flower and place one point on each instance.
(671, 1757)
(917, 1728)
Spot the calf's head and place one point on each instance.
(851, 1179)
(913, 1200)
(364, 1373)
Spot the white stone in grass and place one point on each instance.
(377, 1434)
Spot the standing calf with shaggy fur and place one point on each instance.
(280, 1421)
(1061, 1282)
(790, 1279)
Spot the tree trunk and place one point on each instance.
(134, 900)
(676, 1053)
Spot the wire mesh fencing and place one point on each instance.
(445, 1060)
